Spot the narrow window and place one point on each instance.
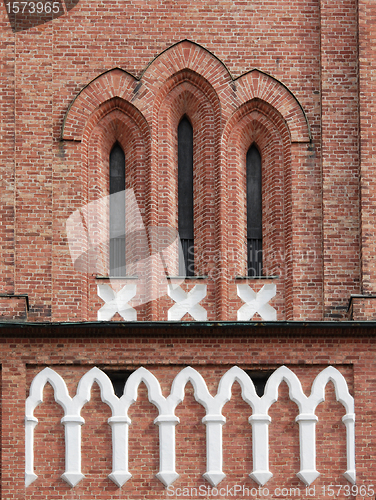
(259, 379)
(118, 380)
(117, 211)
(254, 212)
(185, 197)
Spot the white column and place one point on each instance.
(214, 451)
(72, 474)
(307, 439)
(349, 421)
(120, 429)
(167, 473)
(260, 448)
(30, 476)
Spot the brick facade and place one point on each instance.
(286, 78)
(165, 349)
(294, 78)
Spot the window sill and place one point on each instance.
(186, 277)
(256, 277)
(99, 277)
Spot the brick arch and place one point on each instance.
(109, 85)
(186, 54)
(196, 80)
(109, 106)
(188, 94)
(259, 85)
(264, 108)
(257, 122)
(232, 93)
(116, 121)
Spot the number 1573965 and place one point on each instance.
(335, 490)
(33, 7)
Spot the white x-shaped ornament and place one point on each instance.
(257, 303)
(117, 302)
(187, 303)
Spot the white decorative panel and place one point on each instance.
(167, 420)
(257, 302)
(117, 302)
(187, 303)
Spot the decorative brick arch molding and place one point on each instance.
(189, 94)
(185, 55)
(116, 120)
(273, 119)
(188, 79)
(167, 420)
(259, 85)
(257, 122)
(232, 93)
(113, 83)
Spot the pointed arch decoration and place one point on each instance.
(181, 57)
(188, 94)
(263, 87)
(111, 84)
(188, 78)
(167, 420)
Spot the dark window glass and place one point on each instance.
(117, 211)
(118, 380)
(185, 197)
(259, 379)
(254, 212)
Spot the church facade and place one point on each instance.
(187, 287)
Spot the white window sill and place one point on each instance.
(256, 277)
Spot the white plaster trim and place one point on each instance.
(117, 302)
(187, 303)
(256, 302)
(167, 420)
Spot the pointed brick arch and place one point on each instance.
(113, 83)
(184, 55)
(187, 55)
(257, 122)
(232, 93)
(278, 125)
(188, 79)
(123, 107)
(115, 120)
(258, 85)
(188, 93)
(197, 81)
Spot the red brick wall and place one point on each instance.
(13, 308)
(366, 12)
(311, 198)
(362, 308)
(340, 150)
(212, 353)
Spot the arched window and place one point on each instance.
(254, 212)
(185, 197)
(117, 211)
